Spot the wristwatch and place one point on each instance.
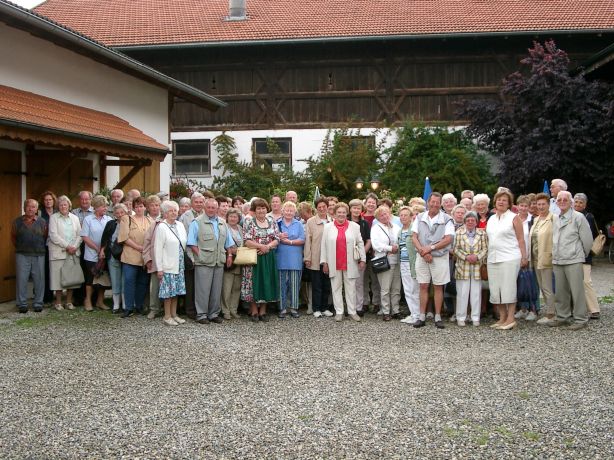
(432, 247)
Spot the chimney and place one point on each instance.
(237, 10)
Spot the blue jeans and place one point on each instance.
(289, 285)
(26, 266)
(115, 272)
(136, 282)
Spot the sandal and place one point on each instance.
(58, 307)
(70, 306)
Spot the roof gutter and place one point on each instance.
(359, 38)
(78, 136)
(34, 21)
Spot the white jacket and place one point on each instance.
(382, 240)
(56, 242)
(166, 247)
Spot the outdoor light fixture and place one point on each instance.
(359, 183)
(375, 183)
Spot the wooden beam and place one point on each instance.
(125, 162)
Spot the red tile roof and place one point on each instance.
(140, 22)
(38, 111)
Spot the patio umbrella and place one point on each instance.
(546, 188)
(427, 189)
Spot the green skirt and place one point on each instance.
(265, 279)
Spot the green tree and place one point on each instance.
(449, 158)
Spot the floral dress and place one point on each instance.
(173, 284)
(260, 282)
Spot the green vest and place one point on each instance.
(211, 252)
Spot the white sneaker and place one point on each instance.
(170, 322)
(309, 311)
(429, 315)
(317, 314)
(521, 314)
(546, 320)
(531, 316)
(380, 312)
(356, 318)
(179, 320)
(327, 313)
(476, 323)
(452, 318)
(460, 323)
(408, 320)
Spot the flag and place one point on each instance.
(546, 188)
(427, 190)
(316, 194)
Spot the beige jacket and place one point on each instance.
(543, 227)
(313, 241)
(129, 228)
(328, 249)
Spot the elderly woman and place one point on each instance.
(356, 210)
(289, 257)
(541, 239)
(132, 230)
(184, 205)
(529, 292)
(385, 242)
(320, 282)
(260, 283)
(305, 212)
(342, 255)
(231, 283)
(276, 212)
(448, 202)
(470, 250)
(91, 234)
(64, 240)
(109, 237)
(580, 200)
(169, 253)
(407, 263)
(507, 253)
(480, 205)
(449, 293)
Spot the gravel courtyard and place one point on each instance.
(77, 385)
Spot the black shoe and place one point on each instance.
(439, 324)
(595, 315)
(127, 314)
(23, 309)
(254, 318)
(360, 313)
(396, 316)
(217, 320)
(203, 321)
(419, 323)
(264, 318)
(294, 314)
(38, 309)
(282, 314)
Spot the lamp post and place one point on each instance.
(359, 183)
(375, 183)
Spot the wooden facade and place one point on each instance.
(367, 83)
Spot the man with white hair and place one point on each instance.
(467, 194)
(291, 195)
(556, 186)
(572, 241)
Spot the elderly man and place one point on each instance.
(432, 235)
(572, 241)
(580, 200)
(29, 236)
(198, 205)
(209, 238)
(556, 186)
(467, 194)
(291, 195)
(152, 299)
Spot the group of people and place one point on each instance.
(207, 255)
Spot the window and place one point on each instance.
(357, 142)
(192, 158)
(276, 151)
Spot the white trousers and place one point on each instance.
(468, 291)
(390, 289)
(411, 289)
(338, 283)
(591, 298)
(360, 293)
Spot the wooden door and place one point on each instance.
(146, 180)
(10, 189)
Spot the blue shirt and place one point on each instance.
(290, 257)
(93, 228)
(193, 233)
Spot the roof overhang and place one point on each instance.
(365, 38)
(49, 30)
(597, 61)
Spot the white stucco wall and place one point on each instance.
(39, 66)
(305, 143)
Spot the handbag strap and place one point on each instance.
(388, 236)
(176, 236)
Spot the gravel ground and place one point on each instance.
(77, 385)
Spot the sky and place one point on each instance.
(27, 3)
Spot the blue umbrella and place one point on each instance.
(316, 194)
(546, 188)
(427, 189)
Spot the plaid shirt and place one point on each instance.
(462, 248)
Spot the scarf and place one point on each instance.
(341, 250)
